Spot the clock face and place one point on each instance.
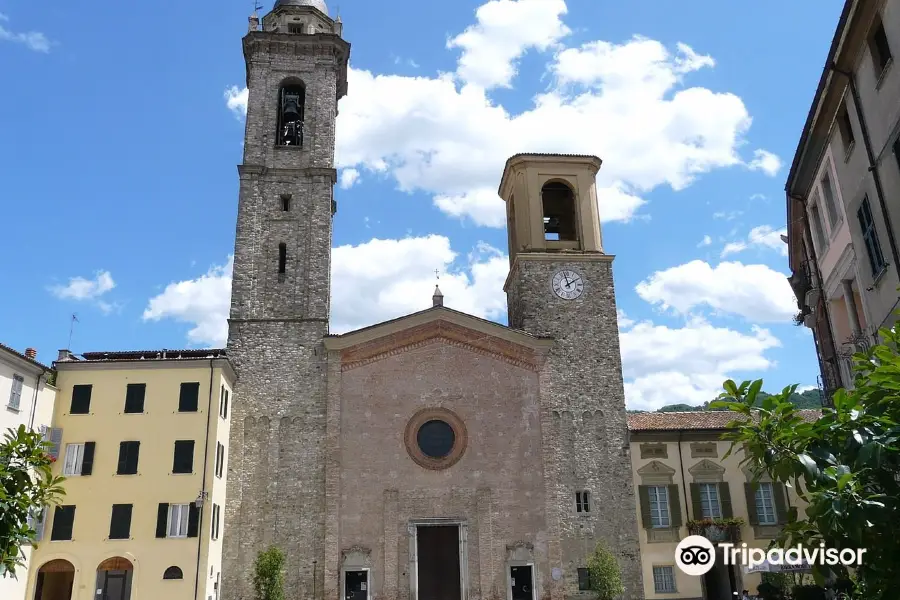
(568, 285)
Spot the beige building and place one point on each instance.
(27, 398)
(142, 439)
(682, 477)
(843, 191)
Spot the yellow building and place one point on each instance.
(142, 438)
(681, 476)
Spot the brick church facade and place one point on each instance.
(437, 456)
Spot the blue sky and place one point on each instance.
(122, 126)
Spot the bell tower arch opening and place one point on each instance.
(559, 212)
(291, 105)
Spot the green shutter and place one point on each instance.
(725, 500)
(674, 505)
(644, 498)
(696, 507)
(780, 494)
(750, 494)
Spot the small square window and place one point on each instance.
(583, 502)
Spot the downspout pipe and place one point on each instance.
(34, 398)
(683, 479)
(811, 249)
(203, 494)
(873, 163)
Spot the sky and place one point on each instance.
(122, 126)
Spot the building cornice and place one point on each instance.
(21, 362)
(151, 364)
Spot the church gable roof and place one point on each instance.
(438, 325)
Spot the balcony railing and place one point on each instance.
(717, 530)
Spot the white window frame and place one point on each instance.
(15, 392)
(177, 520)
(710, 503)
(821, 235)
(660, 515)
(764, 497)
(74, 460)
(664, 574)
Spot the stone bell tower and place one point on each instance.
(296, 73)
(560, 284)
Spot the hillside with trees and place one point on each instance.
(808, 399)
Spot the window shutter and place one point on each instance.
(55, 439)
(193, 520)
(162, 519)
(63, 523)
(183, 461)
(750, 494)
(674, 505)
(87, 459)
(725, 500)
(226, 404)
(780, 496)
(696, 506)
(120, 522)
(131, 460)
(644, 498)
(134, 397)
(188, 398)
(36, 521)
(81, 400)
(121, 468)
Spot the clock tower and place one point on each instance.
(560, 285)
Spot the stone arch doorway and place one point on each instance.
(55, 580)
(114, 579)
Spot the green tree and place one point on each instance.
(605, 575)
(268, 575)
(26, 487)
(846, 465)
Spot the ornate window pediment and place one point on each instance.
(707, 471)
(357, 556)
(656, 473)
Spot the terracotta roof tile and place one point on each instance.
(695, 420)
(23, 357)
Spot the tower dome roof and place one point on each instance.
(319, 4)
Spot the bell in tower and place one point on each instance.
(290, 117)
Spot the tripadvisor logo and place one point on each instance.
(695, 555)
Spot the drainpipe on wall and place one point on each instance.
(34, 398)
(873, 164)
(200, 536)
(683, 480)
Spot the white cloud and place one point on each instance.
(34, 40)
(236, 100)
(706, 241)
(727, 215)
(755, 292)
(386, 278)
(371, 282)
(763, 236)
(663, 365)
(503, 31)
(765, 161)
(80, 288)
(204, 302)
(349, 177)
(627, 103)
